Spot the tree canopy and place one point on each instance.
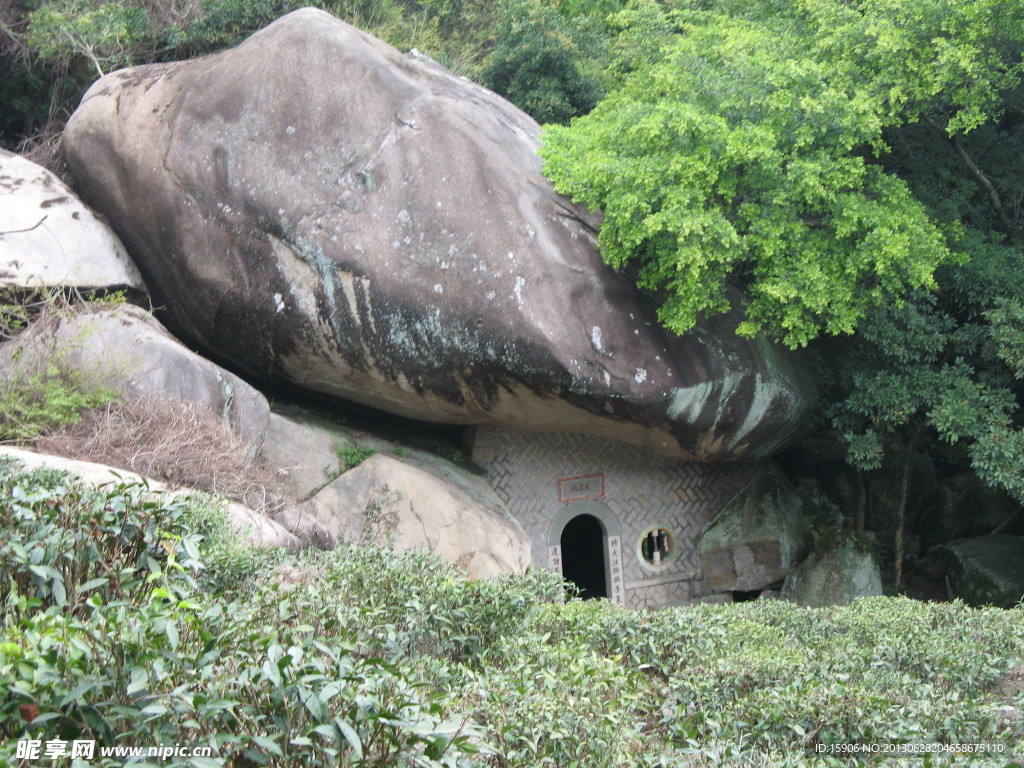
(749, 145)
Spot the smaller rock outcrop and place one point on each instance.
(841, 569)
(986, 570)
(964, 507)
(126, 349)
(253, 528)
(390, 503)
(759, 536)
(307, 452)
(49, 238)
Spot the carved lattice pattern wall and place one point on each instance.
(642, 490)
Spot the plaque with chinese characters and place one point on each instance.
(580, 488)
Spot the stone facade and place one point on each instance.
(546, 479)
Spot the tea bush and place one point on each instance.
(132, 619)
(107, 636)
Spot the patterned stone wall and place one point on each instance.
(535, 474)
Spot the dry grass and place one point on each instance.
(174, 442)
(45, 148)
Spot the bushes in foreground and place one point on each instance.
(135, 620)
(109, 633)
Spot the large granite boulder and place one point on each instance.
(49, 238)
(318, 209)
(986, 570)
(758, 537)
(841, 569)
(391, 503)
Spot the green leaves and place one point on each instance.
(374, 658)
(744, 150)
(41, 392)
(537, 62)
(143, 655)
(105, 34)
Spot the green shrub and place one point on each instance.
(353, 456)
(47, 400)
(133, 619)
(63, 543)
(536, 63)
(139, 655)
(105, 35)
(411, 605)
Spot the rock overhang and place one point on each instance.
(383, 233)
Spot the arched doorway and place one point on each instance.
(585, 546)
(583, 556)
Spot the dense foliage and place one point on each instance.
(135, 620)
(540, 60)
(857, 170)
(750, 147)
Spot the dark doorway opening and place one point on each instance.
(740, 596)
(583, 556)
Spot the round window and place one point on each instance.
(657, 547)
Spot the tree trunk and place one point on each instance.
(901, 510)
(901, 514)
(979, 175)
(859, 512)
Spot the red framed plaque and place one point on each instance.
(580, 488)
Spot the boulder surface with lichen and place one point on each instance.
(758, 537)
(317, 209)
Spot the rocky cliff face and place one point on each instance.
(318, 209)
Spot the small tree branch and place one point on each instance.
(978, 174)
(997, 203)
(858, 515)
(14, 38)
(999, 528)
(87, 50)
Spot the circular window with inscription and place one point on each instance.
(657, 547)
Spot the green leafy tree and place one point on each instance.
(104, 35)
(851, 166)
(943, 371)
(536, 63)
(747, 146)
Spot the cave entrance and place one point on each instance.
(583, 556)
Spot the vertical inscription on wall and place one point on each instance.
(618, 594)
(555, 558)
